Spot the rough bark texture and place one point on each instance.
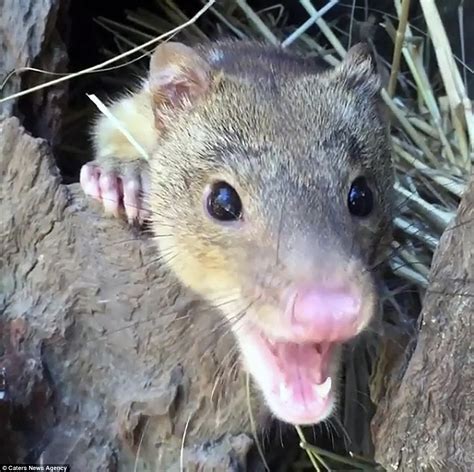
(31, 35)
(426, 419)
(106, 358)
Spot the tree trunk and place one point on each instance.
(425, 422)
(106, 357)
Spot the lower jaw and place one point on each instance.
(304, 417)
(303, 414)
(294, 402)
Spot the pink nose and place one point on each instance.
(326, 314)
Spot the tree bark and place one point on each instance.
(32, 34)
(107, 359)
(425, 421)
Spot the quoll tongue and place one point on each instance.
(295, 378)
(304, 372)
(309, 360)
(301, 389)
(319, 390)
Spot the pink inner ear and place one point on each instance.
(178, 75)
(179, 88)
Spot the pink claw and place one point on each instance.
(89, 179)
(118, 194)
(111, 193)
(132, 198)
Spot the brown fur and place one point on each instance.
(286, 142)
(290, 136)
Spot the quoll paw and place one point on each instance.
(121, 193)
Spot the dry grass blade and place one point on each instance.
(461, 107)
(400, 38)
(183, 442)
(100, 105)
(308, 23)
(112, 60)
(258, 23)
(325, 29)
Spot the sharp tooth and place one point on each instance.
(285, 392)
(323, 389)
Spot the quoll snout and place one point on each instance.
(320, 313)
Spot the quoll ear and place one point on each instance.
(178, 76)
(358, 72)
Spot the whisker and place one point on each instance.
(222, 367)
(280, 229)
(343, 430)
(253, 425)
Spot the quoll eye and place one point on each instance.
(360, 199)
(223, 202)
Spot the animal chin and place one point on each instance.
(295, 378)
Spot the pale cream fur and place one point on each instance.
(136, 114)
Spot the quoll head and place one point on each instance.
(276, 189)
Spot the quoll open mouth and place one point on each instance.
(295, 378)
